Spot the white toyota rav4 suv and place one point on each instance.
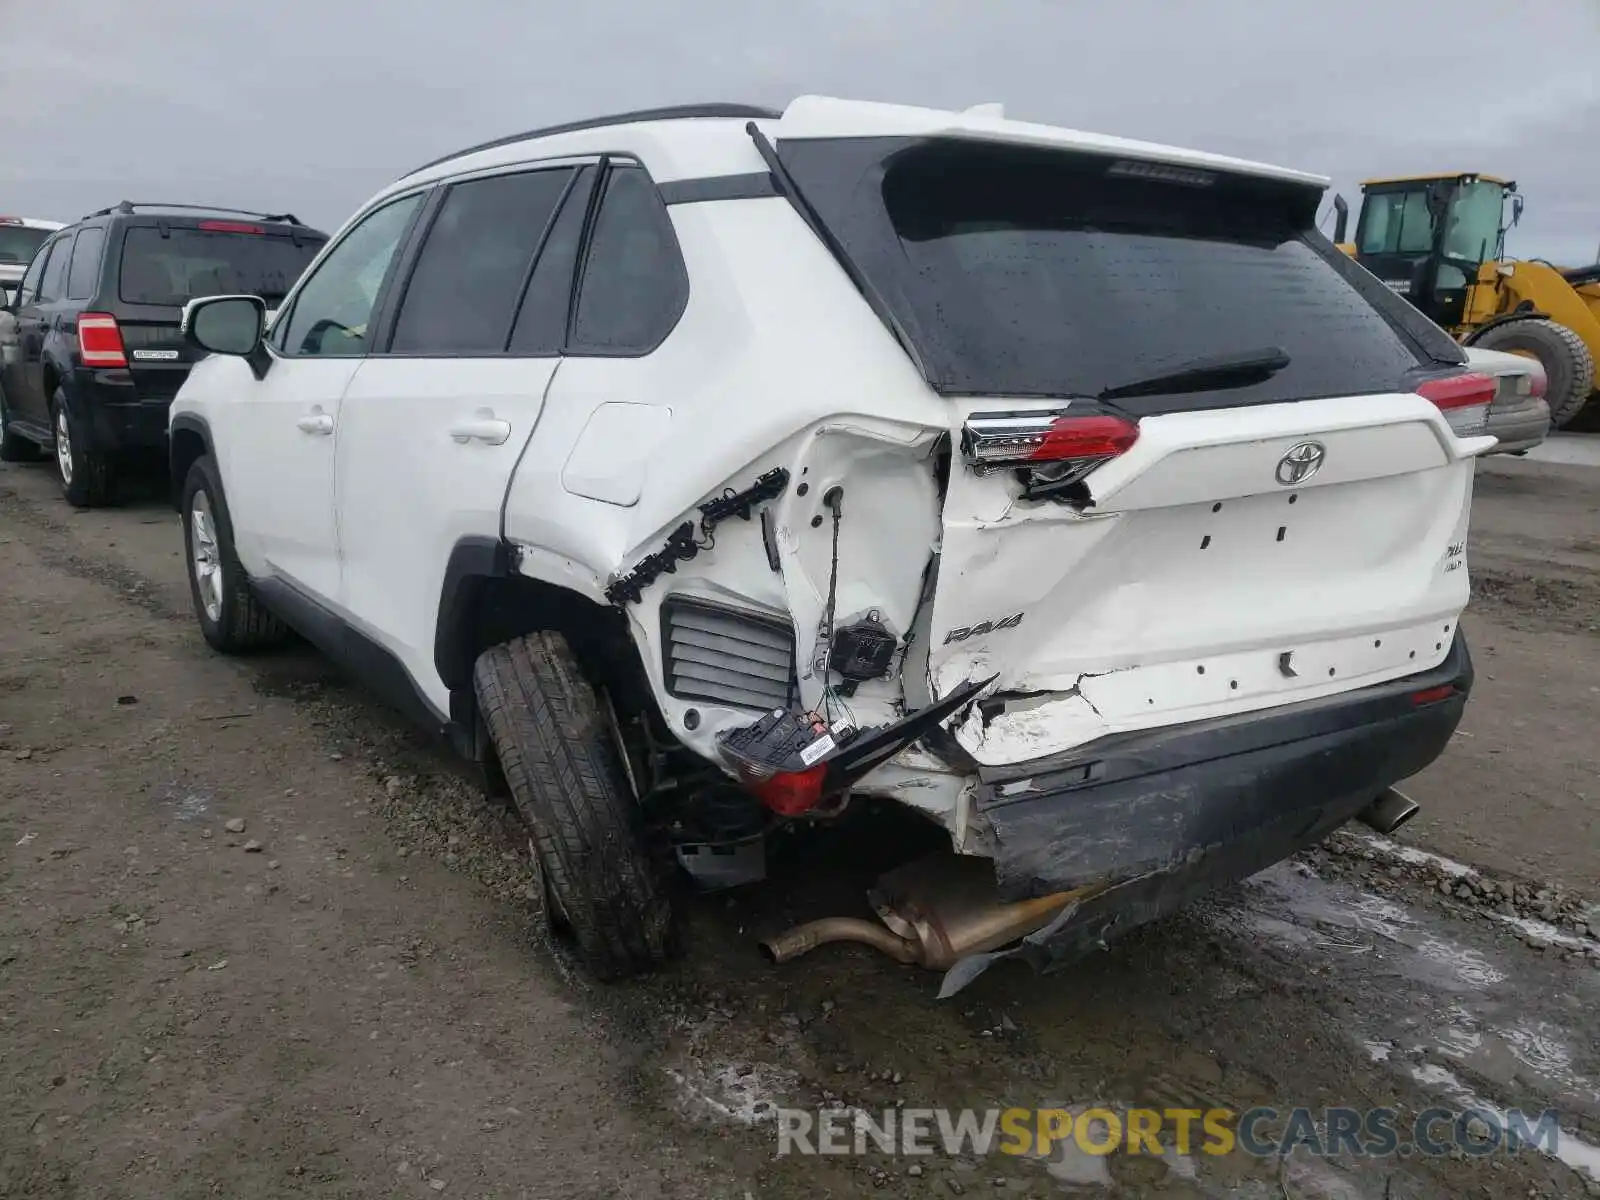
(704, 470)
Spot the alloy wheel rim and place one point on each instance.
(205, 556)
(63, 447)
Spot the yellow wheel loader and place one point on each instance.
(1439, 240)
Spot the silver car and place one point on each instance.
(1519, 416)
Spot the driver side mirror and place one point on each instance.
(231, 325)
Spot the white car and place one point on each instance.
(20, 238)
(708, 470)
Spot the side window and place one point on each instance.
(28, 290)
(54, 284)
(331, 312)
(85, 272)
(462, 295)
(541, 328)
(634, 285)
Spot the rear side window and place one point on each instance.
(635, 285)
(462, 295)
(85, 272)
(54, 284)
(173, 267)
(1045, 273)
(19, 243)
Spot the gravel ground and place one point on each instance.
(258, 939)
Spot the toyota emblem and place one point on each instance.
(1300, 463)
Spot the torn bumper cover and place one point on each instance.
(1150, 821)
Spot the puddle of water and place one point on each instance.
(1411, 855)
(745, 1094)
(1578, 1154)
(186, 805)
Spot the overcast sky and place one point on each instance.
(311, 105)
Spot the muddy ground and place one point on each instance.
(351, 994)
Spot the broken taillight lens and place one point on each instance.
(790, 793)
(1062, 443)
(1463, 399)
(100, 341)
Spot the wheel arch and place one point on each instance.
(484, 601)
(1525, 313)
(189, 439)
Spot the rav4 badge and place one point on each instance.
(962, 632)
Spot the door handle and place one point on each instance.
(482, 426)
(316, 421)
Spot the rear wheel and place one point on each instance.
(231, 619)
(14, 448)
(566, 778)
(1567, 363)
(84, 471)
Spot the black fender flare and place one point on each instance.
(176, 470)
(472, 559)
(1528, 313)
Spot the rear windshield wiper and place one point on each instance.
(1203, 374)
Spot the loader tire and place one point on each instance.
(559, 759)
(1568, 365)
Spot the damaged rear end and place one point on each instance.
(1149, 575)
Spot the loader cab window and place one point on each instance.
(1472, 232)
(1396, 223)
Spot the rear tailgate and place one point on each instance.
(167, 262)
(1245, 502)
(1196, 585)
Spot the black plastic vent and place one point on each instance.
(726, 655)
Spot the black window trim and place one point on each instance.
(596, 199)
(411, 252)
(285, 313)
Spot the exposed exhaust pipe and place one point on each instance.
(1389, 811)
(792, 943)
(937, 911)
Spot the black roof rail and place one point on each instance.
(128, 206)
(727, 112)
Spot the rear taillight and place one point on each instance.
(100, 341)
(790, 793)
(1463, 399)
(1063, 445)
(230, 227)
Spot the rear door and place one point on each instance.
(1193, 473)
(434, 424)
(163, 263)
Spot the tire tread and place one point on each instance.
(555, 750)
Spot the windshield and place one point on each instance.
(1020, 272)
(173, 269)
(18, 243)
(1473, 231)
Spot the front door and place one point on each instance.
(282, 430)
(435, 422)
(26, 400)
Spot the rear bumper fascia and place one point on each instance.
(1150, 821)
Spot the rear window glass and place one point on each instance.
(186, 263)
(18, 243)
(1044, 273)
